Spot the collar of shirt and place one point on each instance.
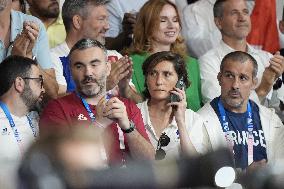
(225, 49)
(212, 1)
(63, 46)
(148, 123)
(58, 21)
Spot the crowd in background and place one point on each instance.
(96, 84)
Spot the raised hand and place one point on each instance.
(25, 41)
(32, 32)
(179, 107)
(128, 23)
(119, 70)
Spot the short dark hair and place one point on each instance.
(218, 8)
(71, 8)
(240, 57)
(13, 67)
(177, 61)
(86, 43)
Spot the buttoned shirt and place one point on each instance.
(210, 67)
(199, 29)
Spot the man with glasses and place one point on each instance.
(21, 92)
(25, 35)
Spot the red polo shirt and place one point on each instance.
(62, 113)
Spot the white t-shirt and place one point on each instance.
(10, 154)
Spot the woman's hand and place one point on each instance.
(179, 108)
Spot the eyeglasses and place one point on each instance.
(40, 78)
(164, 140)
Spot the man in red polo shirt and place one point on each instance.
(90, 105)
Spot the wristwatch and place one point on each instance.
(131, 128)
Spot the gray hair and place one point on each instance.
(218, 8)
(71, 8)
(87, 43)
(241, 57)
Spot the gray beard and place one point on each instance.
(234, 105)
(92, 93)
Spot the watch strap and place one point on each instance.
(131, 128)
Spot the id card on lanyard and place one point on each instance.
(225, 127)
(14, 128)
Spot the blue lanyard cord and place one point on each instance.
(249, 119)
(225, 124)
(87, 107)
(225, 127)
(12, 123)
(32, 126)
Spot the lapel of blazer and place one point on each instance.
(265, 118)
(214, 129)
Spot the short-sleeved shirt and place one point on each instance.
(41, 48)
(10, 153)
(69, 111)
(239, 134)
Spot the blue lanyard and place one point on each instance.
(12, 123)
(87, 107)
(225, 124)
(225, 127)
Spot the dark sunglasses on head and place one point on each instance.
(40, 78)
(164, 140)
